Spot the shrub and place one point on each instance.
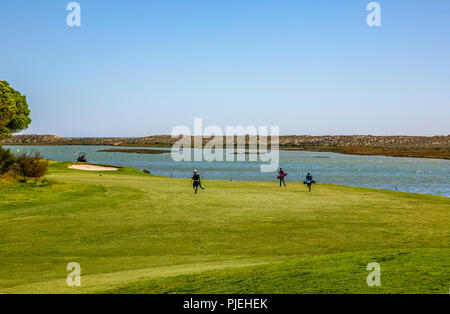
(7, 159)
(30, 166)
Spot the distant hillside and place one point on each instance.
(403, 146)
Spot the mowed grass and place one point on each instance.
(136, 233)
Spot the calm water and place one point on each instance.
(431, 176)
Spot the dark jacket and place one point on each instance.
(196, 178)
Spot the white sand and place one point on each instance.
(93, 167)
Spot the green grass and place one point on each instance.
(136, 233)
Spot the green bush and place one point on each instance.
(29, 166)
(7, 160)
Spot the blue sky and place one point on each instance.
(137, 68)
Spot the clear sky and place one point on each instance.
(140, 67)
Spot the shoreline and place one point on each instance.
(408, 152)
(68, 164)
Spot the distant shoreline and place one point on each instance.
(135, 151)
(437, 147)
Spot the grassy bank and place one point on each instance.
(136, 151)
(136, 233)
(415, 152)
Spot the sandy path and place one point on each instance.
(93, 167)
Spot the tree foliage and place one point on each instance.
(14, 112)
(7, 159)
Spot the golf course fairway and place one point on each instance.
(136, 233)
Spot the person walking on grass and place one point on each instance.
(197, 181)
(281, 175)
(309, 181)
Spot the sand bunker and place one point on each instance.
(93, 167)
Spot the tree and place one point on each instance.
(14, 112)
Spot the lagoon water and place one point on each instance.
(418, 175)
